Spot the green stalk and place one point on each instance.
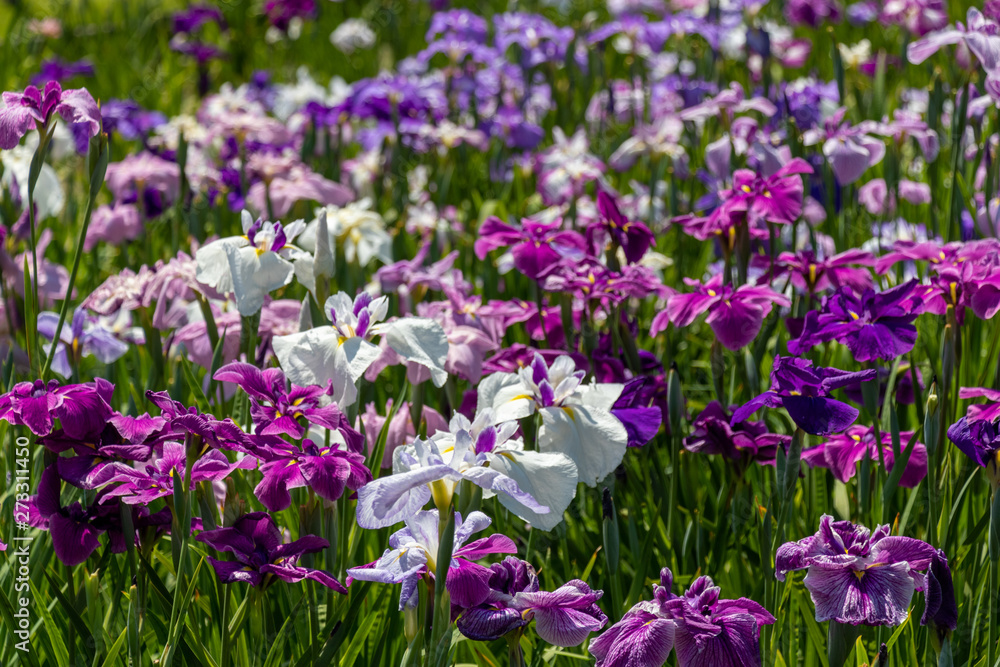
(99, 168)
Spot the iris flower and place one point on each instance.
(877, 325)
(35, 108)
(342, 352)
(482, 453)
(704, 629)
(735, 314)
(81, 409)
(259, 557)
(327, 469)
(576, 417)
(563, 617)
(277, 409)
(840, 453)
(253, 265)
(804, 391)
(857, 576)
(413, 550)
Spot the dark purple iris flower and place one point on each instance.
(563, 617)
(190, 19)
(123, 440)
(55, 69)
(81, 409)
(75, 528)
(632, 236)
(804, 391)
(980, 441)
(260, 558)
(712, 433)
(940, 608)
(281, 12)
(276, 409)
(878, 325)
(129, 119)
(860, 577)
(840, 453)
(703, 629)
(735, 314)
(536, 246)
(35, 108)
(632, 409)
(328, 470)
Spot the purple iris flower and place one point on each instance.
(276, 409)
(980, 441)
(328, 470)
(775, 198)
(878, 325)
(857, 576)
(195, 16)
(75, 528)
(735, 314)
(129, 119)
(840, 453)
(81, 409)
(940, 608)
(563, 617)
(157, 479)
(804, 391)
(813, 274)
(34, 108)
(59, 70)
(78, 340)
(704, 629)
(123, 440)
(632, 236)
(412, 552)
(712, 433)
(260, 558)
(537, 246)
(632, 409)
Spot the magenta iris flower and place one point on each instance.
(857, 576)
(156, 480)
(563, 617)
(878, 325)
(327, 470)
(35, 108)
(735, 314)
(804, 391)
(277, 410)
(81, 409)
(74, 528)
(704, 629)
(632, 236)
(260, 558)
(413, 550)
(810, 273)
(537, 246)
(123, 440)
(840, 453)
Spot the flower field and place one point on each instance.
(410, 332)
